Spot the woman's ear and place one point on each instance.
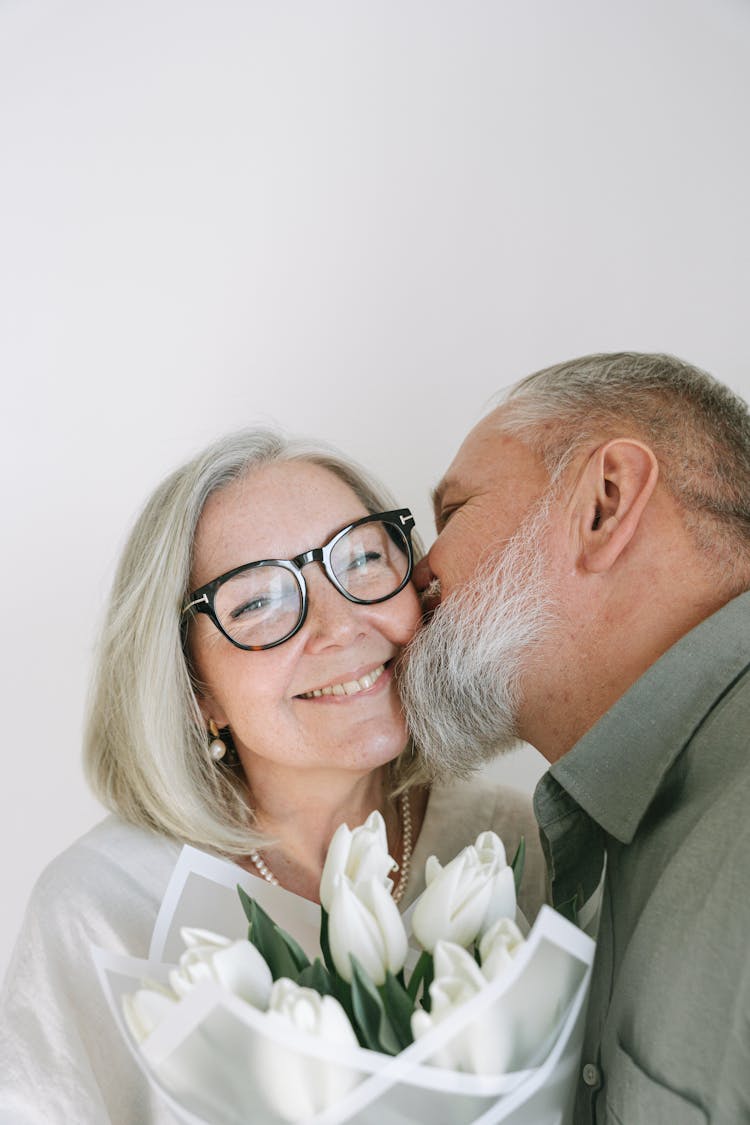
(210, 709)
(613, 491)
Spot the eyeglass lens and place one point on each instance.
(263, 604)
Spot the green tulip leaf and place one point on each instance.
(427, 980)
(423, 974)
(370, 1014)
(316, 976)
(517, 863)
(300, 958)
(247, 903)
(342, 990)
(399, 1006)
(270, 941)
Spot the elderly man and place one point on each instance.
(593, 558)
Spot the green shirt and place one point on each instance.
(662, 785)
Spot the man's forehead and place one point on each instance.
(487, 451)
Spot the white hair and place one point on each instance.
(461, 678)
(145, 747)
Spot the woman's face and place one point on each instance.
(280, 511)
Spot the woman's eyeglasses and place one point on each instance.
(262, 604)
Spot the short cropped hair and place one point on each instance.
(698, 429)
(145, 745)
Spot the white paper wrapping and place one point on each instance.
(217, 1061)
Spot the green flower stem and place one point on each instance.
(325, 947)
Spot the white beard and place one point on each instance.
(461, 676)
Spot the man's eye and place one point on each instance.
(445, 515)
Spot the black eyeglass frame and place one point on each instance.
(202, 600)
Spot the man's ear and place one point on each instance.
(613, 491)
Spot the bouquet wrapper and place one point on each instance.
(218, 1061)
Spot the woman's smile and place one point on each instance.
(358, 684)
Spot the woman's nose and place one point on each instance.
(331, 618)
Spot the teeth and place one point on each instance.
(351, 687)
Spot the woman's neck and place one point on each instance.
(301, 811)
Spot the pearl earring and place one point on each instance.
(217, 748)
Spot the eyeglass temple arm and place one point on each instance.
(198, 601)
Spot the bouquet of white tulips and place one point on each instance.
(448, 1014)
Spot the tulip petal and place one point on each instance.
(353, 929)
(144, 1010)
(335, 863)
(378, 901)
(499, 946)
(296, 1086)
(490, 848)
(452, 907)
(502, 902)
(242, 970)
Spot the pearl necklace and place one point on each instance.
(266, 873)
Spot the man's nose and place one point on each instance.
(422, 575)
(427, 584)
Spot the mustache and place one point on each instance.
(430, 598)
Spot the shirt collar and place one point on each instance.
(615, 770)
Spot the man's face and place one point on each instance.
(463, 677)
(491, 485)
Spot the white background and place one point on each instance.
(359, 218)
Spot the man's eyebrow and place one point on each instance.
(443, 487)
(437, 495)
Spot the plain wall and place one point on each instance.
(357, 218)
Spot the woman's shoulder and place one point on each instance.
(111, 847)
(104, 890)
(109, 883)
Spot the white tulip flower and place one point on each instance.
(360, 854)
(499, 945)
(144, 1010)
(453, 905)
(502, 902)
(298, 1086)
(481, 1047)
(235, 965)
(464, 898)
(490, 849)
(308, 1011)
(364, 921)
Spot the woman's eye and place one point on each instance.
(251, 606)
(361, 561)
(262, 603)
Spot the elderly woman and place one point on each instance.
(244, 702)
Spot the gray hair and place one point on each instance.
(145, 745)
(698, 429)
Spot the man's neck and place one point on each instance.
(595, 666)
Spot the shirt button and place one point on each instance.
(591, 1075)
